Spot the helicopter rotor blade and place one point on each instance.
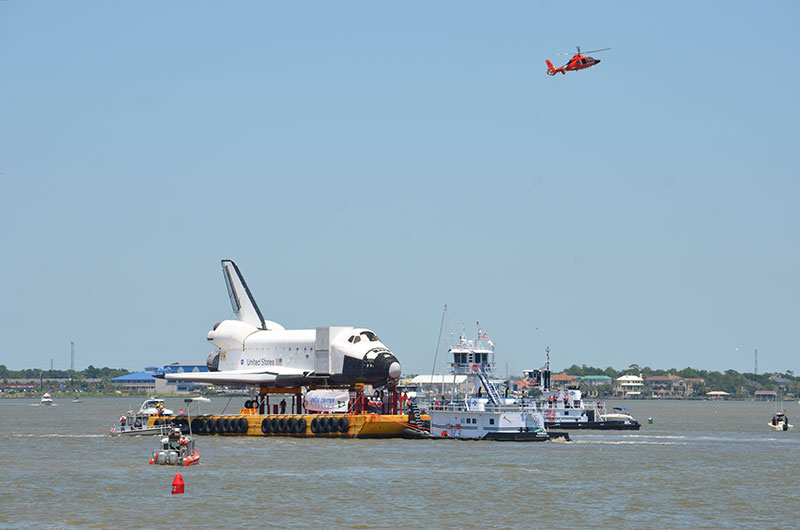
(579, 49)
(601, 50)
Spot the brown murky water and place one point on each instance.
(700, 465)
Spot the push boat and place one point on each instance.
(479, 412)
(566, 409)
(177, 449)
(46, 399)
(780, 422)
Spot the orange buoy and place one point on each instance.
(177, 484)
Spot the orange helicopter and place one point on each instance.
(578, 62)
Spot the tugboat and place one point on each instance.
(176, 450)
(480, 412)
(780, 421)
(566, 409)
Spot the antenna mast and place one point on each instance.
(755, 369)
(72, 356)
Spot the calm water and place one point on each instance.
(701, 464)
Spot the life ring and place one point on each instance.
(551, 415)
(475, 368)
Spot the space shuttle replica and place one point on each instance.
(257, 352)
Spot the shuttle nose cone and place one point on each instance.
(395, 370)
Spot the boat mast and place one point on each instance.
(438, 343)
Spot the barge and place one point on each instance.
(361, 417)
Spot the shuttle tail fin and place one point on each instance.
(243, 303)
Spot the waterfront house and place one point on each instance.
(765, 395)
(665, 385)
(595, 380)
(563, 380)
(629, 386)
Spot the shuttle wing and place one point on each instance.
(253, 376)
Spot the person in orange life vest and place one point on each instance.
(122, 421)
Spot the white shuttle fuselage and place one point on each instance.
(254, 351)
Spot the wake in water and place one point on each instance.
(56, 435)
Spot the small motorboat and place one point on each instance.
(780, 422)
(176, 450)
(154, 407)
(46, 399)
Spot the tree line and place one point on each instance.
(89, 372)
(735, 383)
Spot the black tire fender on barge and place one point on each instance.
(291, 425)
(332, 424)
(301, 426)
(265, 428)
(344, 424)
(244, 425)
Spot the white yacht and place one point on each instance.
(151, 407)
(479, 412)
(46, 399)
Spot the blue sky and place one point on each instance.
(365, 163)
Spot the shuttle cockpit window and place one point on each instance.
(354, 339)
(370, 336)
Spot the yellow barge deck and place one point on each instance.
(247, 423)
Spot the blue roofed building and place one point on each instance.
(147, 381)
